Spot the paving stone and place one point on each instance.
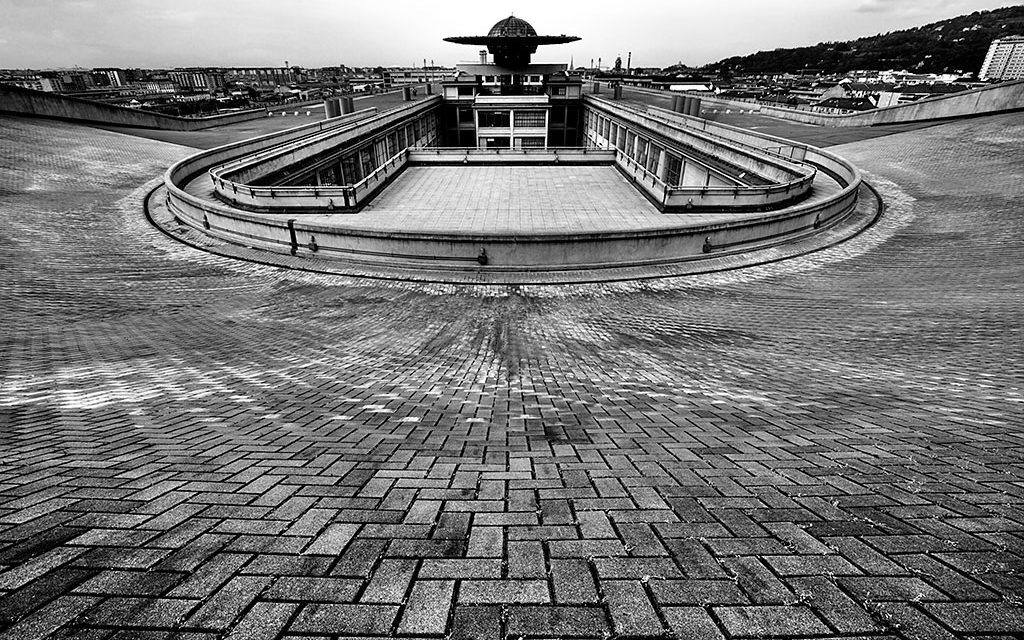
(760, 584)
(890, 588)
(691, 622)
(909, 621)
(978, 617)
(264, 621)
(702, 592)
(503, 591)
(297, 589)
(770, 621)
(334, 619)
(557, 621)
(427, 609)
(390, 581)
(573, 582)
(456, 568)
(630, 609)
(843, 613)
(48, 619)
(140, 612)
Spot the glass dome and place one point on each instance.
(512, 27)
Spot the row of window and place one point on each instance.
(504, 142)
(507, 79)
(422, 132)
(608, 132)
(521, 118)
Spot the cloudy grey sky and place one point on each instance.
(313, 33)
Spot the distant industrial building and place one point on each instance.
(1005, 60)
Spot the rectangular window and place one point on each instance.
(466, 116)
(675, 168)
(350, 169)
(630, 144)
(530, 142)
(493, 118)
(641, 152)
(529, 119)
(652, 158)
(366, 160)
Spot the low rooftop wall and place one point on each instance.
(40, 104)
(315, 236)
(999, 98)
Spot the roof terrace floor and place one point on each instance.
(519, 200)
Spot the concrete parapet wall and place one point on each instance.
(27, 102)
(308, 236)
(1007, 96)
(745, 157)
(251, 169)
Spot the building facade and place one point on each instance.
(1005, 60)
(511, 102)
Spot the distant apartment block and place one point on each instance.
(1005, 60)
(116, 77)
(197, 79)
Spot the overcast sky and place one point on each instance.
(315, 33)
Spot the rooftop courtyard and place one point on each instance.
(824, 446)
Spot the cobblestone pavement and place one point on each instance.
(197, 447)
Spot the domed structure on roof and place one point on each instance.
(512, 27)
(512, 41)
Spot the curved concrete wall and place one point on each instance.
(40, 104)
(293, 235)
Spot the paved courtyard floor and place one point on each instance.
(830, 446)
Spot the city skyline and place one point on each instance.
(145, 33)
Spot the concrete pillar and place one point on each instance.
(346, 105)
(694, 107)
(332, 107)
(406, 93)
(597, 87)
(677, 104)
(617, 92)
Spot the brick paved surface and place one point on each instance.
(196, 447)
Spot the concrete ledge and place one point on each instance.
(529, 252)
(28, 102)
(998, 98)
